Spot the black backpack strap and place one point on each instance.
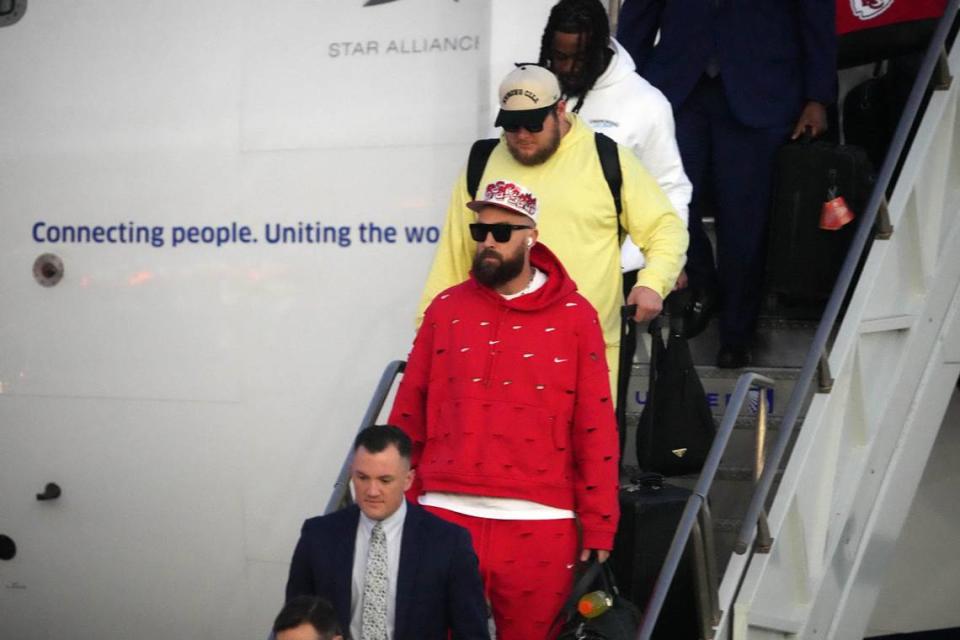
(477, 162)
(610, 163)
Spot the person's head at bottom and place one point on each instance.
(381, 471)
(307, 618)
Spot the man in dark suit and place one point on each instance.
(391, 570)
(743, 76)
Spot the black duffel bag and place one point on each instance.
(619, 622)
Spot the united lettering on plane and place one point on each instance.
(716, 400)
(869, 9)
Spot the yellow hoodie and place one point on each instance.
(577, 220)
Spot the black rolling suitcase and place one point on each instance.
(805, 259)
(650, 510)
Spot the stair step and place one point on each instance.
(740, 447)
(725, 474)
(743, 423)
(741, 473)
(727, 525)
(779, 342)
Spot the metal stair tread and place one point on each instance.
(724, 472)
(727, 525)
(641, 369)
(748, 422)
(741, 473)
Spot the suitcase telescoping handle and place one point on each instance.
(628, 311)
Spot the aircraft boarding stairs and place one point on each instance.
(851, 407)
(856, 404)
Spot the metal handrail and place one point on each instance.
(341, 487)
(877, 198)
(712, 575)
(698, 499)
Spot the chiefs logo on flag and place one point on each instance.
(868, 9)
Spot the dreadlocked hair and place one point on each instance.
(589, 19)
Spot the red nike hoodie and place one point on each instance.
(511, 398)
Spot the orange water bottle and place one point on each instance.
(594, 603)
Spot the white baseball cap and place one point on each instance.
(508, 195)
(527, 94)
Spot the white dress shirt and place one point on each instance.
(393, 529)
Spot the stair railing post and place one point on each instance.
(763, 542)
(701, 582)
(710, 549)
(883, 228)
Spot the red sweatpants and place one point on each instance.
(527, 569)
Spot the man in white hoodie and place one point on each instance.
(599, 79)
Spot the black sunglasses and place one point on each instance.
(532, 128)
(501, 231)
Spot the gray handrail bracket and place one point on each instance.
(764, 541)
(883, 228)
(942, 78)
(824, 376)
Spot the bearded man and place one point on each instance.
(506, 399)
(554, 152)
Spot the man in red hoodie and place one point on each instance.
(506, 397)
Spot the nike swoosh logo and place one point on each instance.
(559, 360)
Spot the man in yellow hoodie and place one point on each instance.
(554, 153)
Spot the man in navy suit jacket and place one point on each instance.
(434, 585)
(743, 76)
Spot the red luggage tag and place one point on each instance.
(835, 214)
